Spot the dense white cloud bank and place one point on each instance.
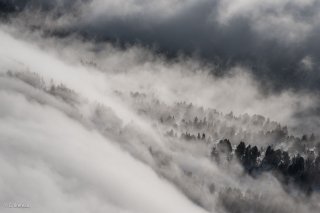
(55, 164)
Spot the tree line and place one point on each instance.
(301, 171)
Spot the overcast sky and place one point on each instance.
(277, 40)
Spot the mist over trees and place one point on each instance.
(259, 145)
(159, 106)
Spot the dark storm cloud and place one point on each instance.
(272, 54)
(273, 39)
(277, 40)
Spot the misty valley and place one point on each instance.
(148, 106)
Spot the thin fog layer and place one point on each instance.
(139, 70)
